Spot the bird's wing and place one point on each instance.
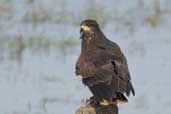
(84, 67)
(103, 74)
(113, 71)
(121, 81)
(93, 74)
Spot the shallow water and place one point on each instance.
(45, 83)
(39, 79)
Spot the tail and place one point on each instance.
(102, 91)
(105, 95)
(130, 89)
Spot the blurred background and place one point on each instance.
(39, 45)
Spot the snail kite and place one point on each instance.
(103, 66)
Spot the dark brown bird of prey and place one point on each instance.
(103, 66)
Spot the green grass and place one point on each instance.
(4, 40)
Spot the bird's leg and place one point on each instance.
(118, 101)
(92, 100)
(104, 102)
(121, 101)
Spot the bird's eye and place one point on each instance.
(88, 25)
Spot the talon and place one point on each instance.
(88, 101)
(92, 100)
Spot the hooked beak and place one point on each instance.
(81, 31)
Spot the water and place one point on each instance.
(37, 75)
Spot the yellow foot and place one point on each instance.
(104, 102)
(118, 101)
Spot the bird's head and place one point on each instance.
(88, 26)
